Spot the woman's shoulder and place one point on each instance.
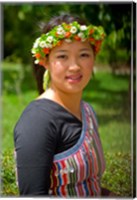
(36, 128)
(37, 113)
(40, 107)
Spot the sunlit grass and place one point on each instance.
(108, 95)
(12, 107)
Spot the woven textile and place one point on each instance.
(77, 172)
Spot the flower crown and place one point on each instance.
(67, 32)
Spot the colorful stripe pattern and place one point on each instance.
(77, 171)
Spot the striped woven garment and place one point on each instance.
(77, 171)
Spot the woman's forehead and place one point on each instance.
(77, 45)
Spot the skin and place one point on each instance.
(70, 66)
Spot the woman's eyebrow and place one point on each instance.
(85, 49)
(61, 50)
(65, 50)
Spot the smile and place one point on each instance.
(74, 78)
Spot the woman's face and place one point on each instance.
(70, 66)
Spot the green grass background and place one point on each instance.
(106, 92)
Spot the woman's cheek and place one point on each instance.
(89, 67)
(57, 68)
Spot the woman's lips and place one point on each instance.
(74, 78)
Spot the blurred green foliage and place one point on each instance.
(117, 177)
(109, 96)
(8, 177)
(106, 92)
(22, 27)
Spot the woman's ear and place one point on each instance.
(44, 63)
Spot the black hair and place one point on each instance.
(55, 21)
(46, 27)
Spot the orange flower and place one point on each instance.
(92, 40)
(59, 43)
(91, 31)
(67, 26)
(46, 50)
(37, 55)
(98, 42)
(76, 37)
(67, 34)
(41, 62)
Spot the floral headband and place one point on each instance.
(67, 32)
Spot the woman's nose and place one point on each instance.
(74, 65)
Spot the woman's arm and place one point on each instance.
(35, 145)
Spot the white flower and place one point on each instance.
(36, 61)
(33, 51)
(49, 39)
(49, 46)
(83, 39)
(73, 29)
(83, 27)
(81, 35)
(36, 44)
(60, 31)
(42, 44)
(68, 40)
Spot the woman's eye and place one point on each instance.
(85, 55)
(61, 56)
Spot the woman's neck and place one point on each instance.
(70, 102)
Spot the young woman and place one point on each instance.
(58, 148)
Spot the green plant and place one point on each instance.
(108, 95)
(8, 177)
(117, 177)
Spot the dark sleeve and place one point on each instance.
(35, 142)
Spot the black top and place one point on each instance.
(45, 128)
